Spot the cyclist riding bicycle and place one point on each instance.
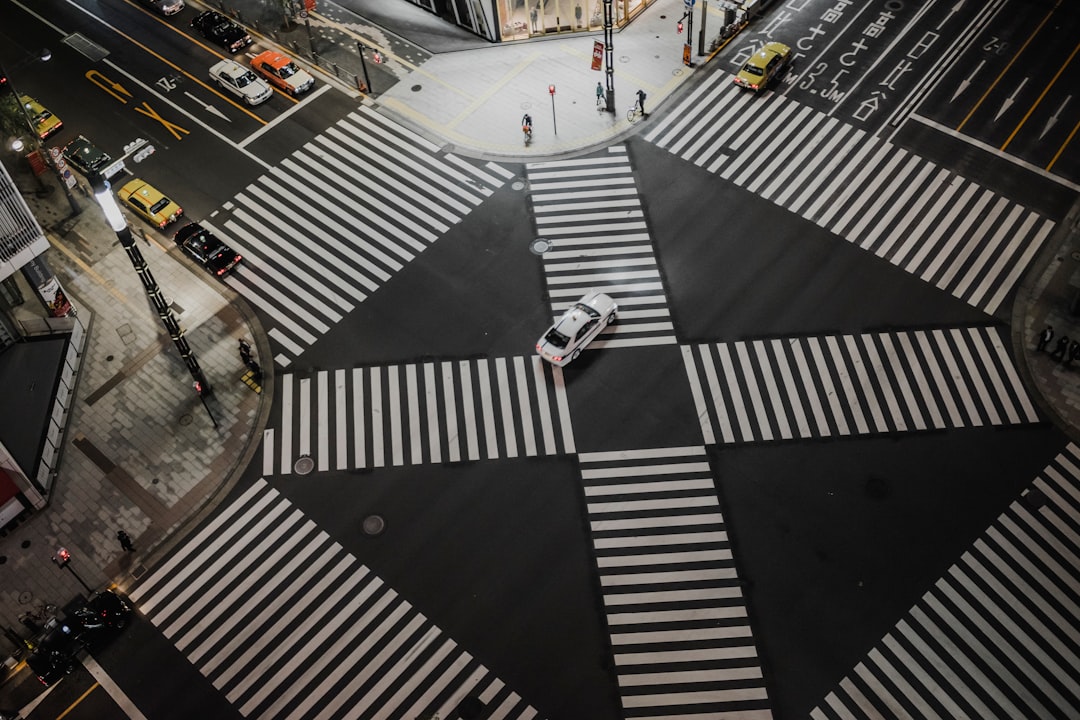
(526, 123)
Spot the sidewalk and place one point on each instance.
(140, 452)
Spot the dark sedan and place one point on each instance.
(206, 249)
(219, 29)
(54, 655)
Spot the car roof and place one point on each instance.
(188, 230)
(273, 57)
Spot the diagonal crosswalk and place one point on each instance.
(288, 625)
(998, 636)
(589, 210)
(679, 630)
(331, 223)
(431, 412)
(814, 387)
(950, 232)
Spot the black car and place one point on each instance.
(206, 249)
(54, 656)
(219, 29)
(87, 158)
(104, 609)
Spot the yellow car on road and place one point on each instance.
(45, 123)
(150, 203)
(764, 66)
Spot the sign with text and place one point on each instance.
(597, 54)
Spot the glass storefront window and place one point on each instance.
(520, 19)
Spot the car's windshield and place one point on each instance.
(750, 69)
(287, 70)
(586, 309)
(556, 338)
(159, 205)
(245, 79)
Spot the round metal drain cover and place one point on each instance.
(373, 525)
(416, 88)
(185, 419)
(539, 246)
(518, 185)
(25, 596)
(303, 465)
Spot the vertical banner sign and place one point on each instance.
(41, 278)
(597, 54)
(686, 54)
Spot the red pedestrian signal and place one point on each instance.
(198, 388)
(551, 89)
(678, 27)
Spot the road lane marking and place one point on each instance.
(1004, 70)
(114, 691)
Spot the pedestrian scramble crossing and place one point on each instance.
(589, 210)
(288, 625)
(838, 385)
(432, 412)
(964, 239)
(331, 223)
(682, 642)
(998, 636)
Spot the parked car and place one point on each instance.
(764, 66)
(577, 327)
(88, 159)
(206, 249)
(219, 29)
(150, 203)
(283, 72)
(45, 123)
(164, 7)
(54, 656)
(239, 81)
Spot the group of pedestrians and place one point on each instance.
(1065, 351)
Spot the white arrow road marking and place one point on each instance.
(1054, 118)
(967, 81)
(208, 108)
(1010, 100)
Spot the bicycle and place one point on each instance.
(634, 113)
(527, 132)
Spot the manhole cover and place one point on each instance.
(539, 246)
(416, 88)
(185, 419)
(894, 5)
(518, 185)
(373, 525)
(25, 596)
(303, 465)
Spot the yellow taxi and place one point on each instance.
(45, 123)
(763, 66)
(149, 202)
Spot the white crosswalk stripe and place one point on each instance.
(287, 624)
(927, 220)
(998, 636)
(590, 212)
(813, 387)
(678, 623)
(336, 219)
(431, 412)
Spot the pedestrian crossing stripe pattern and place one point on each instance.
(838, 385)
(432, 412)
(288, 625)
(682, 642)
(998, 636)
(929, 221)
(331, 223)
(589, 210)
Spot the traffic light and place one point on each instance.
(198, 388)
(678, 27)
(62, 557)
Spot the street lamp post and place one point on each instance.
(62, 559)
(119, 225)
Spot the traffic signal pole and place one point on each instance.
(609, 55)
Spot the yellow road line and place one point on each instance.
(1064, 145)
(1041, 96)
(82, 697)
(1006, 68)
(179, 69)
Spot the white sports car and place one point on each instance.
(578, 326)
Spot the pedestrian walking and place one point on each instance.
(641, 102)
(245, 350)
(125, 541)
(1060, 349)
(599, 95)
(1045, 337)
(256, 370)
